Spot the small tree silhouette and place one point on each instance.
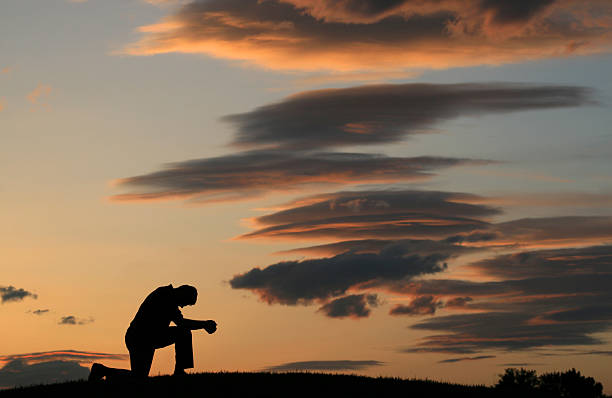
(570, 384)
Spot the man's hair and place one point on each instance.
(188, 294)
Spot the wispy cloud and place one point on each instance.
(72, 355)
(40, 92)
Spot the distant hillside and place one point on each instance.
(249, 385)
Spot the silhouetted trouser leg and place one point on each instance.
(142, 348)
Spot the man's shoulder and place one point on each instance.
(167, 288)
(161, 293)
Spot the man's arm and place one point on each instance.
(210, 326)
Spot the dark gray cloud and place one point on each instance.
(251, 174)
(476, 358)
(501, 11)
(549, 298)
(387, 113)
(353, 306)
(300, 282)
(73, 320)
(512, 11)
(376, 214)
(543, 263)
(555, 231)
(48, 367)
(11, 294)
(350, 35)
(423, 305)
(19, 373)
(325, 365)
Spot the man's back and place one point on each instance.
(157, 311)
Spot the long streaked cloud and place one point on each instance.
(251, 174)
(463, 359)
(63, 355)
(302, 282)
(371, 214)
(378, 114)
(368, 35)
(12, 294)
(325, 365)
(300, 126)
(554, 231)
(546, 298)
(39, 311)
(366, 220)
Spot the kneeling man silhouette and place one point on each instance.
(151, 329)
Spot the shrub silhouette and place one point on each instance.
(569, 384)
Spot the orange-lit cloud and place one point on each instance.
(371, 35)
(375, 214)
(366, 217)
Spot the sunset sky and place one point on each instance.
(400, 188)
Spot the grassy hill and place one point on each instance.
(255, 385)
(271, 385)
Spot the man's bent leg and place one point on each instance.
(183, 347)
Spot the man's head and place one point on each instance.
(186, 295)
